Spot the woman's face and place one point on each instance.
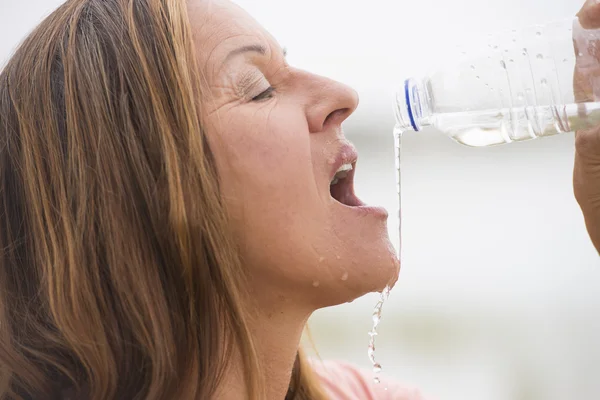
(277, 138)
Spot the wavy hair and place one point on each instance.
(119, 276)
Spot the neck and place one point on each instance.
(276, 327)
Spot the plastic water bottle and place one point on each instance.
(513, 87)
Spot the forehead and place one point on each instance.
(220, 26)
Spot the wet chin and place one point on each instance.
(376, 267)
(365, 268)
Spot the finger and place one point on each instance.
(589, 15)
(587, 144)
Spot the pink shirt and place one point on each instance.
(344, 381)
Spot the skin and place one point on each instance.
(276, 156)
(586, 175)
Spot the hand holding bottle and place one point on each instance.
(586, 82)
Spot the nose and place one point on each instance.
(330, 103)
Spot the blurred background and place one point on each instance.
(499, 294)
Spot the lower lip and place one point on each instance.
(364, 210)
(372, 210)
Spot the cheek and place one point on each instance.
(267, 144)
(268, 183)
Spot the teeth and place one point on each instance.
(341, 173)
(344, 168)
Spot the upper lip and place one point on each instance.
(343, 191)
(346, 155)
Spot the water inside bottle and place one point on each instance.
(490, 127)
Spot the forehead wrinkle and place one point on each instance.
(217, 66)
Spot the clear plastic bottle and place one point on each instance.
(515, 86)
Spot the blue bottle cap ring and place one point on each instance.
(409, 97)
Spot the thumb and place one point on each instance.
(589, 15)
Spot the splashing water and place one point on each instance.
(386, 292)
(398, 153)
(376, 319)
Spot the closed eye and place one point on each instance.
(267, 94)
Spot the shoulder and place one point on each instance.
(344, 381)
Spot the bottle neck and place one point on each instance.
(412, 106)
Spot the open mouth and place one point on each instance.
(342, 186)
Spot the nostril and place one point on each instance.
(337, 116)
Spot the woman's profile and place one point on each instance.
(176, 201)
(168, 223)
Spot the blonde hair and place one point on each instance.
(119, 278)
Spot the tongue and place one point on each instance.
(343, 193)
(352, 201)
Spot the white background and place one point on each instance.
(499, 292)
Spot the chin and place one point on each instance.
(377, 268)
(369, 267)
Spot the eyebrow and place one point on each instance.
(253, 48)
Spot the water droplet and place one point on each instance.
(511, 60)
(503, 64)
(478, 77)
(385, 294)
(345, 276)
(520, 97)
(316, 283)
(487, 85)
(376, 320)
(515, 40)
(506, 50)
(377, 380)
(565, 60)
(580, 54)
(544, 82)
(472, 67)
(538, 33)
(373, 333)
(540, 56)
(495, 47)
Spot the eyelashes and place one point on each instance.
(248, 84)
(267, 94)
